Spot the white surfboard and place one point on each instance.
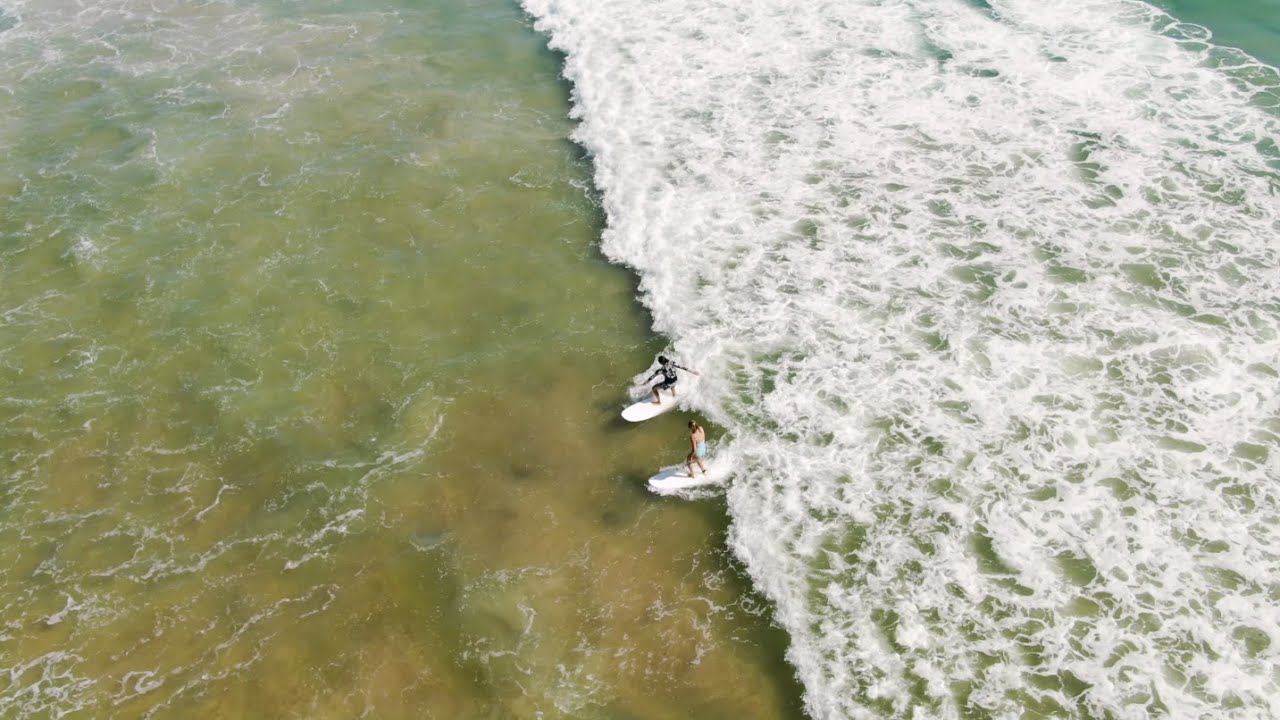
(646, 409)
(675, 478)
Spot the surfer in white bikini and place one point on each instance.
(667, 369)
(697, 448)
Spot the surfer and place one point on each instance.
(667, 369)
(697, 448)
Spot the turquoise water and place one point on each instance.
(1251, 25)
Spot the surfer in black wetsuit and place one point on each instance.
(667, 369)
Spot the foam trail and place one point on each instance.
(988, 297)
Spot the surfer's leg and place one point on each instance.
(694, 457)
(657, 397)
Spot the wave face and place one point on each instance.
(987, 299)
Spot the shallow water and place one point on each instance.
(309, 365)
(309, 379)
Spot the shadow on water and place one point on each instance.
(616, 424)
(762, 641)
(770, 640)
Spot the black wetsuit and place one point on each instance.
(668, 373)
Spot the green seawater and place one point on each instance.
(310, 372)
(1250, 25)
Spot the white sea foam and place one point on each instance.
(987, 297)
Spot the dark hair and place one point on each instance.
(662, 360)
(693, 425)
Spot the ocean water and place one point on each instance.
(310, 371)
(986, 294)
(1250, 26)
